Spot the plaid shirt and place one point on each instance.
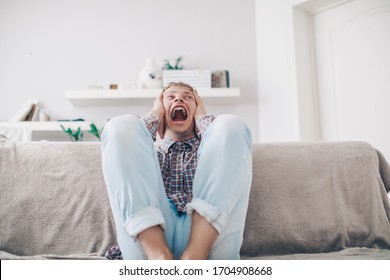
(178, 160)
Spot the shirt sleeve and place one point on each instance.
(202, 124)
(151, 122)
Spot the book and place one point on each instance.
(220, 79)
(27, 112)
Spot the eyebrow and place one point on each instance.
(174, 91)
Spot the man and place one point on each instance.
(187, 198)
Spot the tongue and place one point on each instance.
(179, 116)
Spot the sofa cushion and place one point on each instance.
(317, 197)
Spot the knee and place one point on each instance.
(232, 126)
(121, 127)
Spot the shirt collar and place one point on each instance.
(167, 143)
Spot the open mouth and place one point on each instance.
(179, 114)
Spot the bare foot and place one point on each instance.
(202, 238)
(157, 255)
(153, 242)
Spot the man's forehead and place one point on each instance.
(179, 90)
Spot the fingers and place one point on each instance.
(158, 106)
(200, 109)
(161, 128)
(198, 100)
(160, 96)
(158, 110)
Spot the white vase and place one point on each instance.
(150, 75)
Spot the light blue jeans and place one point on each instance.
(137, 196)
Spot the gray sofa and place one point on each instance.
(318, 200)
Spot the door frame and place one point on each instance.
(306, 91)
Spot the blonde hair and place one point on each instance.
(180, 84)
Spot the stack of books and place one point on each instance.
(30, 111)
(27, 112)
(195, 78)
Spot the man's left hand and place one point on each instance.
(200, 109)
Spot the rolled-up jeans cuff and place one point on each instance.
(144, 219)
(215, 216)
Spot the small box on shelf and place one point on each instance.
(196, 78)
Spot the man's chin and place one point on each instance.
(180, 128)
(179, 124)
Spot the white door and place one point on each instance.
(352, 46)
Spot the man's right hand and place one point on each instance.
(158, 110)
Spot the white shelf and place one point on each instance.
(47, 126)
(99, 98)
(50, 130)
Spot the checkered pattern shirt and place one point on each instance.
(178, 160)
(113, 253)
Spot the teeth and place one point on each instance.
(179, 109)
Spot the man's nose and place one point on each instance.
(178, 99)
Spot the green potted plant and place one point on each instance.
(78, 134)
(173, 64)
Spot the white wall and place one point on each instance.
(48, 47)
(278, 116)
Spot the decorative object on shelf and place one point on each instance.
(149, 76)
(173, 64)
(220, 79)
(78, 134)
(30, 111)
(95, 87)
(173, 72)
(113, 86)
(197, 78)
(26, 112)
(43, 116)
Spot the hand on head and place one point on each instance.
(200, 109)
(158, 110)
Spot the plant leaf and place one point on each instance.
(94, 130)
